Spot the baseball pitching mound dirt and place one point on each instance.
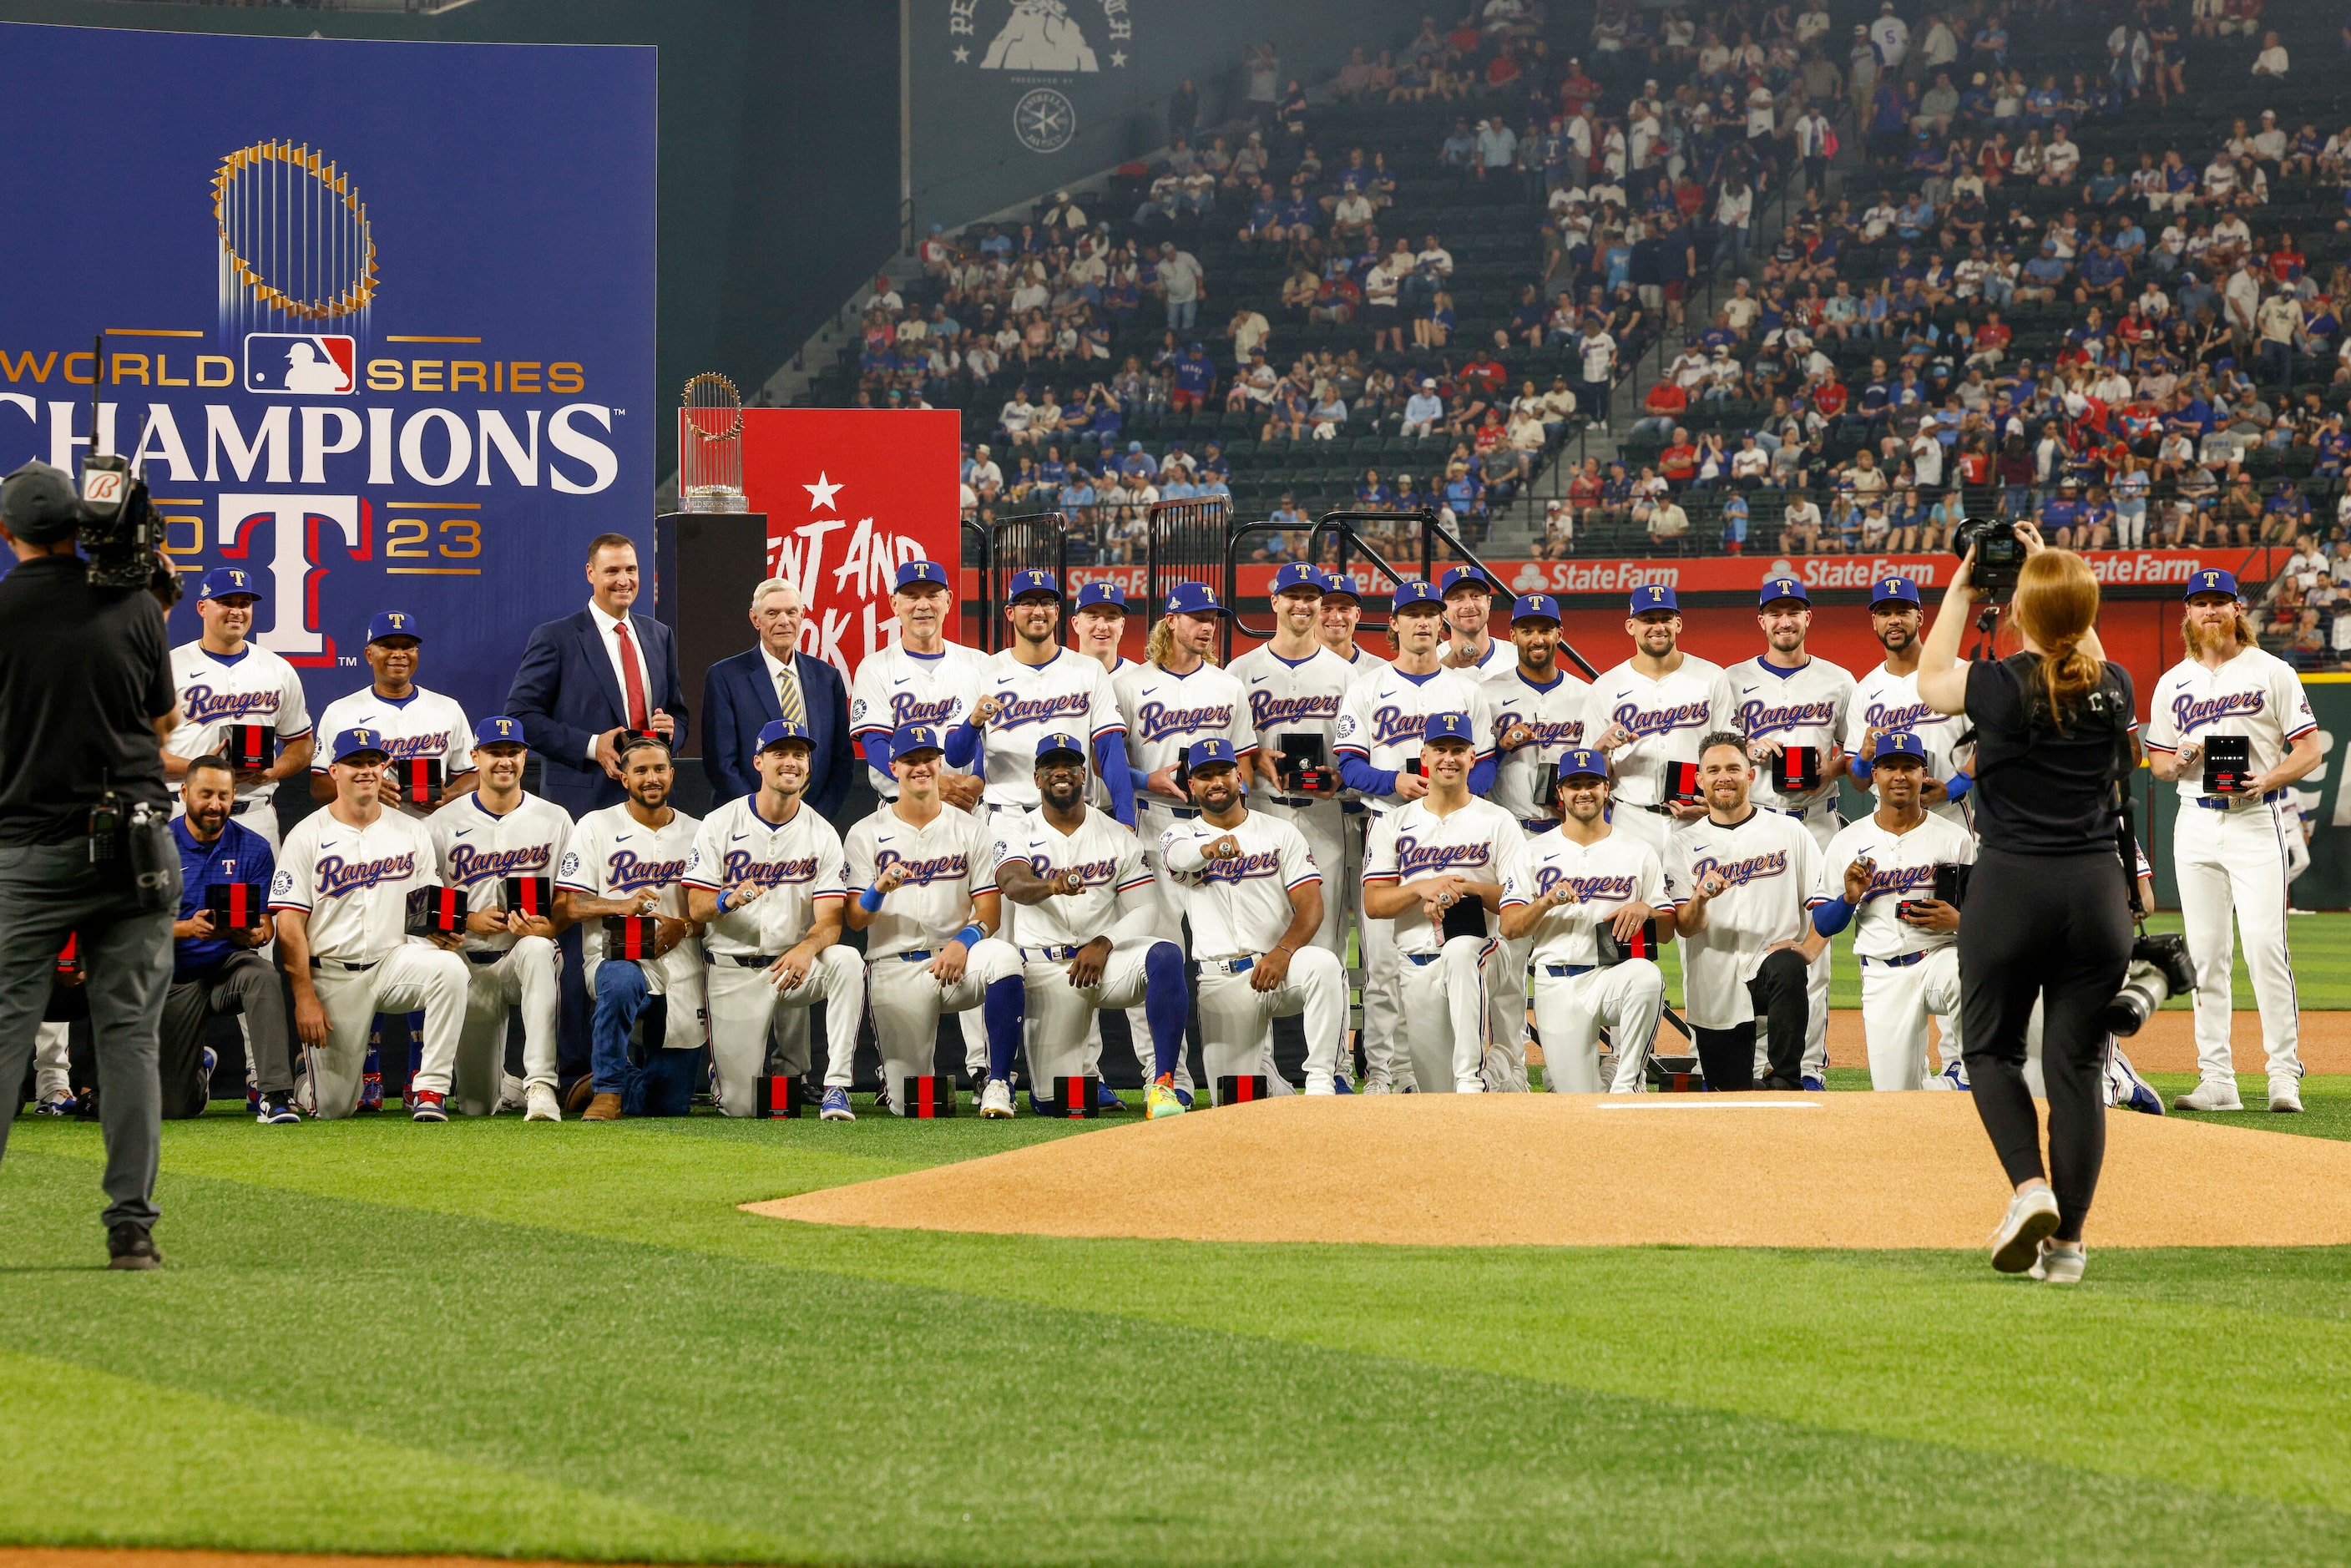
(1874, 1170)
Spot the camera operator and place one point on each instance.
(85, 699)
(2048, 907)
(216, 965)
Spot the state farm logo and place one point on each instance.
(301, 364)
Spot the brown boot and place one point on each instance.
(603, 1108)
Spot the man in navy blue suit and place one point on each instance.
(775, 681)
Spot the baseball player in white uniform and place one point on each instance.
(1097, 627)
(2228, 849)
(1538, 717)
(1295, 686)
(1447, 851)
(1336, 616)
(1742, 881)
(1468, 617)
(1648, 714)
(482, 838)
(1379, 743)
(1254, 896)
(223, 680)
(1787, 703)
(53, 1092)
(1032, 689)
(921, 678)
(1573, 878)
(414, 721)
(766, 886)
(1086, 919)
(629, 861)
(1880, 870)
(1886, 698)
(341, 896)
(923, 886)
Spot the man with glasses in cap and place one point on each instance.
(225, 680)
(1648, 714)
(1886, 698)
(1577, 878)
(923, 678)
(413, 721)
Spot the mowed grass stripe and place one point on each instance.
(853, 1420)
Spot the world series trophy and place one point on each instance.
(710, 462)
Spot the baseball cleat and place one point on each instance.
(513, 1094)
(1106, 1098)
(2060, 1264)
(2285, 1094)
(1163, 1099)
(1812, 1085)
(425, 1105)
(275, 1111)
(995, 1100)
(212, 1060)
(1340, 1085)
(836, 1107)
(1376, 1086)
(2016, 1241)
(1954, 1076)
(541, 1104)
(57, 1105)
(2211, 1096)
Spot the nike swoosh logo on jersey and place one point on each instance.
(738, 838)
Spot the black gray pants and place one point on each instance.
(244, 982)
(1727, 1056)
(51, 891)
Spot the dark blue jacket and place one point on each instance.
(565, 693)
(737, 698)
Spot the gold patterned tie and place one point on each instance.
(788, 696)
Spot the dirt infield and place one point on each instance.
(1879, 1170)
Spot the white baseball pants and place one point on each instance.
(525, 975)
(1897, 1002)
(1442, 1013)
(1383, 1066)
(403, 980)
(1236, 1019)
(51, 1078)
(1571, 1010)
(743, 1006)
(1061, 1036)
(2227, 861)
(906, 1001)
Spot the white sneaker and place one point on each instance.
(2060, 1264)
(1375, 1086)
(2016, 1242)
(2212, 1096)
(513, 1095)
(2285, 1094)
(541, 1104)
(995, 1100)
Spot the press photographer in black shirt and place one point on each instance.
(85, 699)
(2048, 904)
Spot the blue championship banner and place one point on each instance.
(378, 320)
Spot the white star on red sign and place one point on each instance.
(820, 493)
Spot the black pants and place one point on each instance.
(1727, 1056)
(244, 982)
(2056, 928)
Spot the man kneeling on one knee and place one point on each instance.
(216, 965)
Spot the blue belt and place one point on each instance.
(242, 807)
(913, 957)
(1049, 954)
(2231, 802)
(1181, 812)
(1424, 957)
(1565, 971)
(1537, 825)
(1300, 801)
(1902, 962)
(743, 960)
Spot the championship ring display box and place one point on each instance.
(2228, 764)
(636, 937)
(234, 906)
(1303, 769)
(1796, 770)
(530, 896)
(436, 911)
(248, 745)
(1613, 950)
(1681, 783)
(415, 780)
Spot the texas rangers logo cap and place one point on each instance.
(225, 582)
(353, 743)
(394, 623)
(1778, 588)
(1655, 596)
(1298, 574)
(1110, 594)
(1337, 582)
(1893, 590)
(1208, 754)
(1581, 762)
(1900, 743)
(1059, 745)
(499, 730)
(915, 571)
(908, 738)
(1448, 726)
(782, 731)
(2212, 579)
(1193, 598)
(1466, 577)
(1413, 591)
(1025, 583)
(1534, 607)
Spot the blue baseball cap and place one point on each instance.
(1900, 743)
(1890, 589)
(499, 730)
(1298, 574)
(928, 572)
(2212, 579)
(1582, 762)
(353, 743)
(394, 623)
(1778, 588)
(224, 580)
(1031, 581)
(1455, 577)
(1337, 582)
(1209, 753)
(1413, 591)
(911, 738)
(1534, 607)
(1193, 598)
(777, 731)
(1109, 593)
(1448, 726)
(1055, 745)
(1654, 596)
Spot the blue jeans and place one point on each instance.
(664, 1085)
(1181, 314)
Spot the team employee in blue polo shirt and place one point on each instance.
(214, 966)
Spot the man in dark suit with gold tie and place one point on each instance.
(775, 681)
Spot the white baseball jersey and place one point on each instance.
(612, 855)
(1383, 713)
(1362, 662)
(894, 687)
(1773, 865)
(1555, 713)
(1103, 851)
(1904, 868)
(947, 864)
(2255, 695)
(1069, 695)
(1299, 697)
(1886, 702)
(796, 865)
(1666, 717)
(354, 882)
(1166, 714)
(1605, 877)
(478, 850)
(1803, 706)
(1481, 842)
(1240, 907)
(421, 723)
(256, 687)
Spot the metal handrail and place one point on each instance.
(1001, 559)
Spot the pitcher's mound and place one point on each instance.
(1709, 1170)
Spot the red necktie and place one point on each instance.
(633, 678)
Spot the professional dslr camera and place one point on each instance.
(1999, 554)
(121, 533)
(2159, 970)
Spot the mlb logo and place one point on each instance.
(301, 364)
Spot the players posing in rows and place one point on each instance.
(224, 680)
(418, 725)
(2228, 843)
(1886, 698)
(1032, 689)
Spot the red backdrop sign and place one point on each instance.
(850, 495)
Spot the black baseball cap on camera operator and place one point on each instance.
(39, 504)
